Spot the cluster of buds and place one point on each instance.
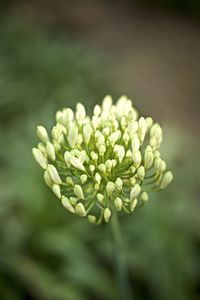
(108, 162)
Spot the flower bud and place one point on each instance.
(57, 133)
(142, 128)
(167, 178)
(40, 158)
(107, 214)
(97, 110)
(107, 103)
(133, 205)
(119, 184)
(118, 203)
(91, 219)
(110, 187)
(135, 144)
(69, 181)
(98, 178)
(56, 190)
(137, 158)
(42, 134)
(145, 196)
(92, 168)
(149, 122)
(76, 163)
(80, 112)
(102, 150)
(73, 136)
(94, 155)
(148, 159)
(47, 179)
(132, 128)
(87, 131)
(120, 152)
(83, 178)
(54, 174)
(102, 168)
(66, 203)
(135, 191)
(78, 191)
(50, 150)
(100, 198)
(80, 210)
(141, 172)
(108, 164)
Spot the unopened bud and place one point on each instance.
(54, 174)
(148, 159)
(118, 203)
(66, 203)
(56, 190)
(135, 191)
(50, 150)
(91, 219)
(42, 134)
(80, 210)
(100, 198)
(133, 205)
(110, 187)
(40, 158)
(47, 179)
(87, 131)
(83, 178)
(145, 196)
(78, 191)
(167, 178)
(107, 214)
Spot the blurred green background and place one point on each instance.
(53, 54)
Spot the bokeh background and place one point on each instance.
(53, 54)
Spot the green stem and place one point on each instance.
(121, 264)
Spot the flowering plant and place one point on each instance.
(110, 161)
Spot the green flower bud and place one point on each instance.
(73, 136)
(66, 203)
(54, 174)
(141, 172)
(148, 159)
(69, 181)
(135, 191)
(76, 163)
(145, 196)
(118, 203)
(78, 191)
(56, 190)
(92, 219)
(87, 131)
(50, 150)
(100, 198)
(133, 205)
(167, 178)
(47, 179)
(110, 187)
(107, 214)
(39, 157)
(42, 134)
(80, 210)
(119, 184)
(83, 178)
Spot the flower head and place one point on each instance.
(110, 161)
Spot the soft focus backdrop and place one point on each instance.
(53, 54)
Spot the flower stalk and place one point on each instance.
(120, 259)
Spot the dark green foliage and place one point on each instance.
(47, 253)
